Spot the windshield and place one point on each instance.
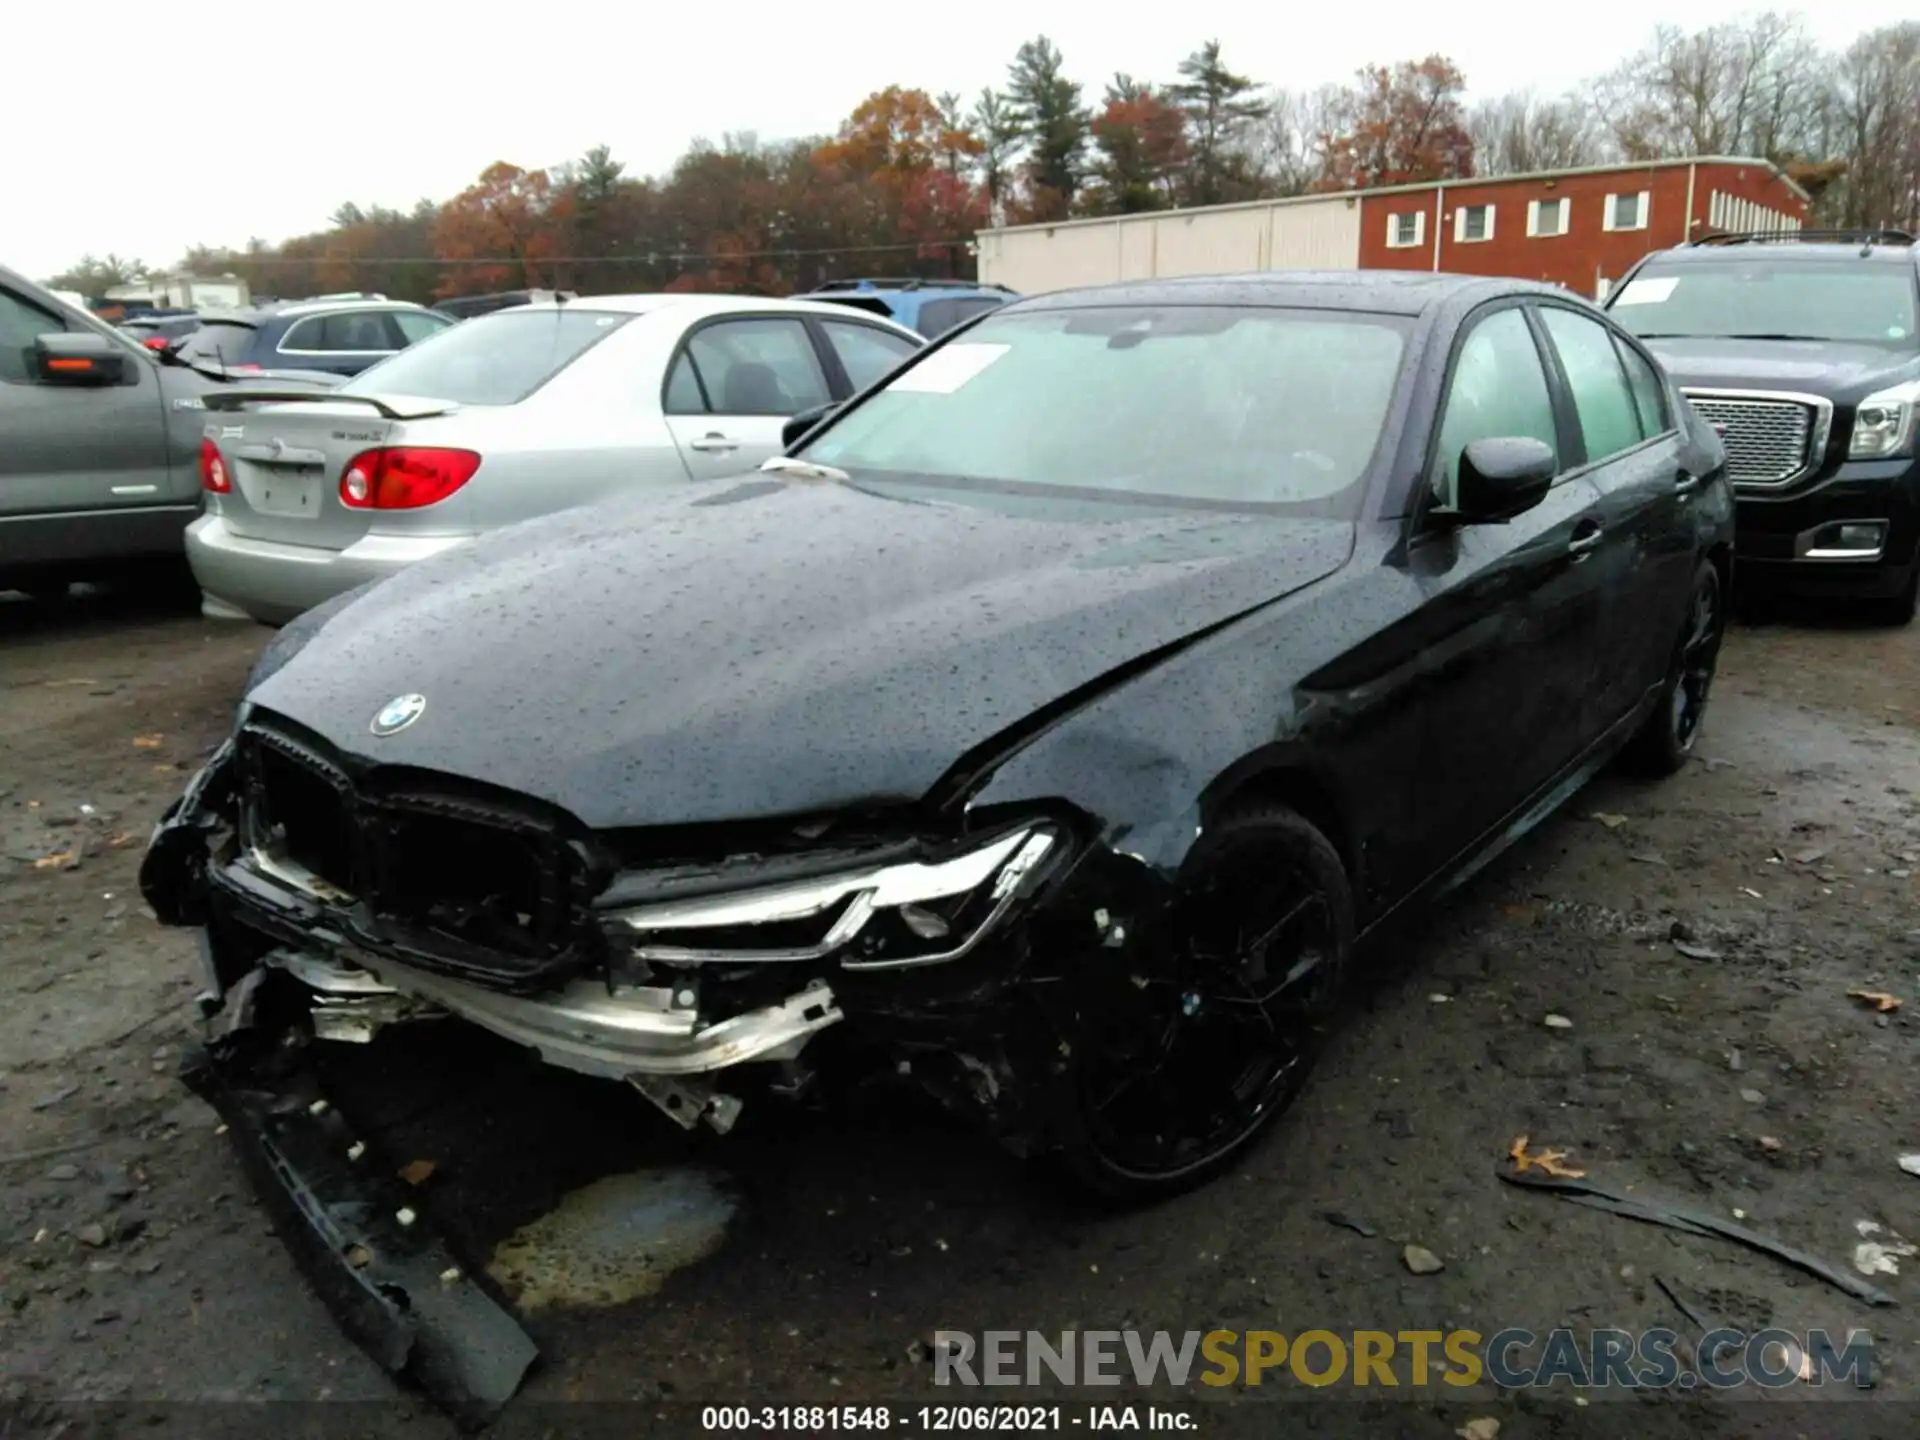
(1765, 298)
(1208, 405)
(497, 359)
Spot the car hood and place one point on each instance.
(1835, 370)
(766, 647)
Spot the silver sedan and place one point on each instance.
(502, 418)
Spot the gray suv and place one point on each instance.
(99, 443)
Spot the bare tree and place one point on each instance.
(1289, 146)
(1520, 133)
(1878, 105)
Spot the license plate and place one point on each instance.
(294, 494)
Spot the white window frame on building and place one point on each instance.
(1642, 210)
(1396, 239)
(1559, 207)
(1460, 213)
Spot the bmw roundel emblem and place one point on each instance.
(397, 714)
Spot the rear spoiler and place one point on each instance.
(393, 407)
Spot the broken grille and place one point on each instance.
(462, 885)
(1769, 441)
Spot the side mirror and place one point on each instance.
(1503, 477)
(78, 358)
(796, 428)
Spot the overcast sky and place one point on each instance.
(211, 125)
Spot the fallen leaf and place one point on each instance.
(1648, 857)
(1517, 911)
(120, 839)
(147, 742)
(55, 861)
(1612, 822)
(163, 769)
(1770, 1144)
(359, 1257)
(416, 1172)
(1878, 999)
(1485, 1427)
(1546, 1161)
(1809, 857)
(58, 684)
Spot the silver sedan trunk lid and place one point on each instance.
(285, 460)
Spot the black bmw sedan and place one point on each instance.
(1052, 723)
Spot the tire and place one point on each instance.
(1262, 868)
(1663, 744)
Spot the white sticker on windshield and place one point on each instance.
(945, 371)
(1650, 291)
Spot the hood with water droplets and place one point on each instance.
(766, 648)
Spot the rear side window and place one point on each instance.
(415, 325)
(761, 366)
(866, 352)
(20, 325)
(1609, 419)
(218, 342)
(348, 332)
(497, 359)
(939, 316)
(1649, 396)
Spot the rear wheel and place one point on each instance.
(1666, 739)
(1185, 1056)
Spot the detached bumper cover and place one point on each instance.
(390, 1283)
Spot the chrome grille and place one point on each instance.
(1767, 441)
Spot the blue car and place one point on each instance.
(932, 307)
(339, 334)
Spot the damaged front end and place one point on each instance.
(337, 899)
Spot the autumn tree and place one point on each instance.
(1399, 125)
(1046, 107)
(499, 233)
(1221, 109)
(1141, 145)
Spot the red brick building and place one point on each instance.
(1578, 228)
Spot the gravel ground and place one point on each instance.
(135, 1268)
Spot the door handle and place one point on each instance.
(714, 442)
(1585, 538)
(1685, 480)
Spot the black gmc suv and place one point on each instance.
(1803, 349)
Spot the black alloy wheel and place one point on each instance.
(1189, 1052)
(1665, 742)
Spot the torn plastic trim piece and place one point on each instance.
(390, 1282)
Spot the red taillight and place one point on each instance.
(213, 470)
(404, 477)
(156, 342)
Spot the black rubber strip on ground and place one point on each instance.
(1696, 1222)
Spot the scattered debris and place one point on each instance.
(47, 1102)
(1770, 1144)
(1880, 1257)
(1878, 999)
(1751, 893)
(1349, 1222)
(1422, 1261)
(1548, 1162)
(1558, 1022)
(1697, 952)
(147, 742)
(93, 1236)
(417, 1172)
(1810, 857)
(1695, 1222)
(59, 860)
(1612, 822)
(1910, 1164)
(1705, 1320)
(1399, 1126)
(1754, 1097)
(1438, 999)
(1483, 1427)
(359, 1256)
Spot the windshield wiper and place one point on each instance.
(1769, 335)
(802, 469)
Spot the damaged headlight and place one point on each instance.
(883, 917)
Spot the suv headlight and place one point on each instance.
(885, 917)
(1883, 423)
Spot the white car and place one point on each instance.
(502, 418)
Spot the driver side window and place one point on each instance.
(20, 325)
(1498, 389)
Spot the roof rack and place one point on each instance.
(1814, 237)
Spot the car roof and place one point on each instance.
(1390, 292)
(1793, 253)
(693, 306)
